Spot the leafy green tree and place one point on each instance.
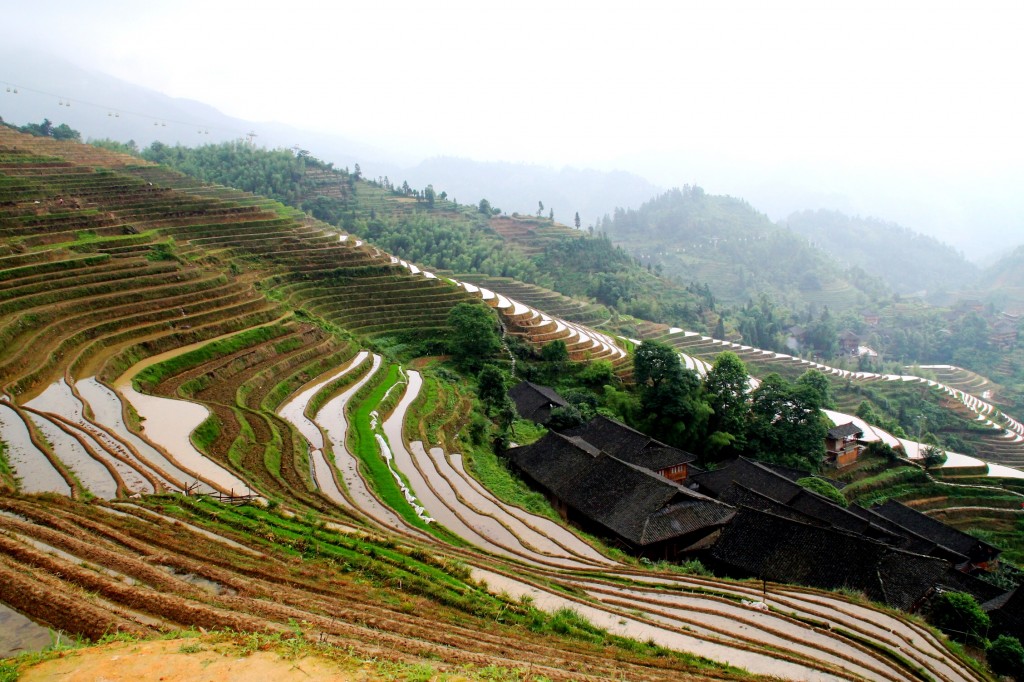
(565, 417)
(576, 220)
(786, 424)
(819, 383)
(555, 352)
(671, 397)
(959, 615)
(654, 363)
(492, 386)
(472, 335)
(596, 373)
(65, 132)
(485, 207)
(429, 195)
(725, 388)
(1006, 657)
(822, 335)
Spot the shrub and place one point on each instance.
(1006, 657)
(823, 488)
(959, 615)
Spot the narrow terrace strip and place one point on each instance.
(333, 420)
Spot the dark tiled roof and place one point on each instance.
(767, 546)
(534, 401)
(630, 445)
(958, 581)
(630, 501)
(741, 496)
(936, 531)
(762, 479)
(845, 431)
(907, 539)
(1007, 613)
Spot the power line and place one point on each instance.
(202, 128)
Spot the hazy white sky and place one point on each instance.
(923, 90)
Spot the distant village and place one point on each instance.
(748, 519)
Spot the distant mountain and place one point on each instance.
(516, 187)
(1002, 283)
(101, 106)
(907, 261)
(740, 253)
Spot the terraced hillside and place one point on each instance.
(163, 337)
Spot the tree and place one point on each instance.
(671, 397)
(959, 615)
(786, 425)
(540, 208)
(66, 132)
(1006, 657)
(565, 417)
(576, 220)
(551, 215)
(555, 351)
(485, 207)
(492, 386)
(816, 381)
(472, 335)
(725, 388)
(429, 195)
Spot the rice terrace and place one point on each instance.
(236, 435)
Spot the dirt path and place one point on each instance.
(186, 660)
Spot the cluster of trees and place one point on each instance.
(47, 129)
(722, 416)
(459, 244)
(279, 174)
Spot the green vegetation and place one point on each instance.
(47, 129)
(1006, 657)
(7, 482)
(823, 488)
(472, 335)
(959, 615)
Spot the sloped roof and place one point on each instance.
(936, 531)
(630, 445)
(630, 501)
(908, 540)
(1007, 613)
(531, 399)
(845, 431)
(760, 478)
(775, 548)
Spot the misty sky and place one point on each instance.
(826, 97)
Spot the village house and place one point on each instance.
(535, 402)
(849, 342)
(635, 509)
(843, 445)
(631, 446)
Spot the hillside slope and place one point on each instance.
(135, 298)
(738, 252)
(907, 261)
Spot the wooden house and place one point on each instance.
(843, 445)
(637, 448)
(535, 402)
(633, 508)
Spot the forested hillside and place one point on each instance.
(907, 261)
(738, 252)
(429, 227)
